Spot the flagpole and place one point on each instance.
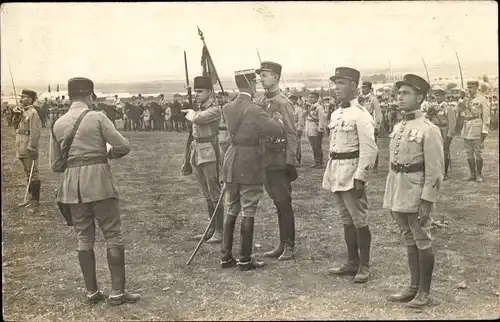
(200, 33)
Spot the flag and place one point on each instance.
(208, 65)
(49, 88)
(58, 88)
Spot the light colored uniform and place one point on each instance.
(351, 130)
(315, 119)
(28, 136)
(87, 184)
(445, 118)
(371, 104)
(414, 142)
(477, 121)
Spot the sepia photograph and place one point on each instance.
(250, 161)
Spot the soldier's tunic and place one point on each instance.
(444, 117)
(371, 104)
(27, 138)
(315, 123)
(476, 122)
(352, 152)
(416, 170)
(299, 125)
(223, 137)
(87, 184)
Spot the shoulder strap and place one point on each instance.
(66, 145)
(238, 125)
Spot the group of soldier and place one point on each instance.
(252, 143)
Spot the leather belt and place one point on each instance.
(80, 162)
(407, 168)
(206, 139)
(23, 132)
(344, 155)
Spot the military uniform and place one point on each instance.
(243, 169)
(299, 125)
(371, 104)
(205, 156)
(27, 145)
(88, 189)
(315, 128)
(443, 116)
(416, 171)
(352, 152)
(281, 161)
(476, 127)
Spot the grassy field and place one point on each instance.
(160, 210)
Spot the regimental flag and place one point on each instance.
(208, 65)
(49, 88)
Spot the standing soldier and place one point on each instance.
(243, 169)
(415, 174)
(87, 187)
(27, 145)
(299, 125)
(280, 159)
(370, 102)
(205, 153)
(315, 127)
(475, 129)
(443, 116)
(352, 153)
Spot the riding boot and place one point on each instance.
(275, 253)
(211, 229)
(375, 166)
(472, 168)
(288, 231)
(479, 170)
(351, 240)
(86, 259)
(35, 190)
(446, 166)
(247, 262)
(116, 263)
(227, 259)
(410, 292)
(218, 226)
(364, 243)
(426, 262)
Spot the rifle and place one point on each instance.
(186, 168)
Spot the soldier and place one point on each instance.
(416, 170)
(87, 187)
(280, 159)
(27, 145)
(443, 116)
(223, 135)
(299, 125)
(352, 153)
(370, 102)
(475, 129)
(315, 127)
(243, 169)
(205, 153)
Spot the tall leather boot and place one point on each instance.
(116, 263)
(410, 292)
(472, 169)
(227, 259)
(34, 190)
(364, 243)
(351, 240)
(479, 170)
(275, 253)
(446, 166)
(426, 262)
(211, 229)
(247, 262)
(86, 259)
(218, 226)
(289, 231)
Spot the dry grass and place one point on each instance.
(160, 210)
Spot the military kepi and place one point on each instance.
(244, 78)
(202, 82)
(416, 82)
(79, 85)
(346, 73)
(367, 84)
(30, 93)
(270, 67)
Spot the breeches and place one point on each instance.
(473, 149)
(278, 185)
(413, 232)
(207, 176)
(315, 142)
(26, 162)
(244, 197)
(352, 210)
(107, 214)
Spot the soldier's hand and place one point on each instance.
(483, 137)
(32, 153)
(424, 211)
(359, 188)
(186, 169)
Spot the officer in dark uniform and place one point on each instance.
(281, 159)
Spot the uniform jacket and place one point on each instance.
(371, 104)
(479, 108)
(244, 159)
(315, 119)
(168, 113)
(205, 126)
(444, 117)
(351, 129)
(299, 118)
(414, 141)
(94, 182)
(28, 133)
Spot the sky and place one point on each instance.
(122, 42)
